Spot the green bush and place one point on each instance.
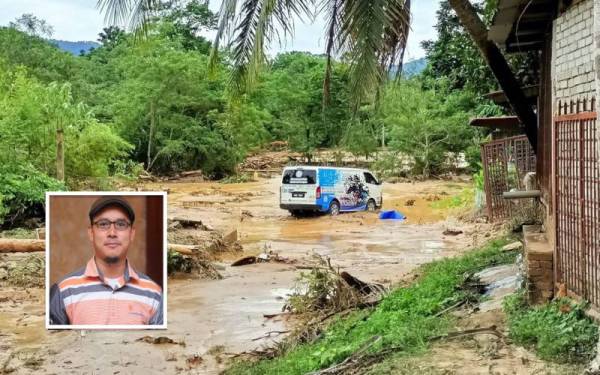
(23, 191)
(559, 331)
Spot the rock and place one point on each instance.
(231, 237)
(452, 232)
(517, 245)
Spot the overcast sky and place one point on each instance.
(76, 20)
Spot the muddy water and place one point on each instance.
(226, 316)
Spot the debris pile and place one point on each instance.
(268, 161)
(160, 340)
(195, 264)
(23, 270)
(195, 233)
(325, 291)
(265, 257)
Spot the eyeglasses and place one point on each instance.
(120, 225)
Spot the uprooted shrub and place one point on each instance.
(321, 290)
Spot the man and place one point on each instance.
(107, 291)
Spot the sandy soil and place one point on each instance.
(212, 318)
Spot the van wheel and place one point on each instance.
(334, 208)
(371, 206)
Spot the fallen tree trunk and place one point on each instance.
(184, 249)
(21, 246)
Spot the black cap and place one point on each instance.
(105, 202)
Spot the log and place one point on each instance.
(21, 246)
(196, 173)
(244, 261)
(184, 249)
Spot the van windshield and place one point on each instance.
(300, 176)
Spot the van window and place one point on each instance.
(300, 176)
(370, 179)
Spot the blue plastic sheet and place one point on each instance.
(391, 215)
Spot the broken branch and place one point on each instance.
(268, 334)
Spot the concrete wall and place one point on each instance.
(574, 53)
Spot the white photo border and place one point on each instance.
(47, 259)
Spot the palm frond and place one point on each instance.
(132, 14)
(332, 7)
(373, 35)
(396, 37)
(226, 19)
(116, 12)
(260, 22)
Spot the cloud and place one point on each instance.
(72, 19)
(80, 20)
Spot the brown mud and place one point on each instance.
(216, 317)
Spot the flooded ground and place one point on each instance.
(210, 319)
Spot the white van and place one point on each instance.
(329, 189)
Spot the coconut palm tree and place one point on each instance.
(371, 35)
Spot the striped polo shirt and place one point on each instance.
(84, 297)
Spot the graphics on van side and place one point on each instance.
(356, 193)
(347, 187)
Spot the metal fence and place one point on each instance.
(505, 163)
(577, 197)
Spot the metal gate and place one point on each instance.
(505, 163)
(577, 197)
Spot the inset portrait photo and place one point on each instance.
(106, 260)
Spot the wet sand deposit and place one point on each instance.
(210, 318)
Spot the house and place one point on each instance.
(566, 37)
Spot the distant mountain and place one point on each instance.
(410, 68)
(414, 67)
(75, 47)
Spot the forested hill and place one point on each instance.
(414, 67)
(74, 47)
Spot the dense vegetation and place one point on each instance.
(151, 103)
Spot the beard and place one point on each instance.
(111, 260)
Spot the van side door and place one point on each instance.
(355, 193)
(374, 187)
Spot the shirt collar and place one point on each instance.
(91, 270)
